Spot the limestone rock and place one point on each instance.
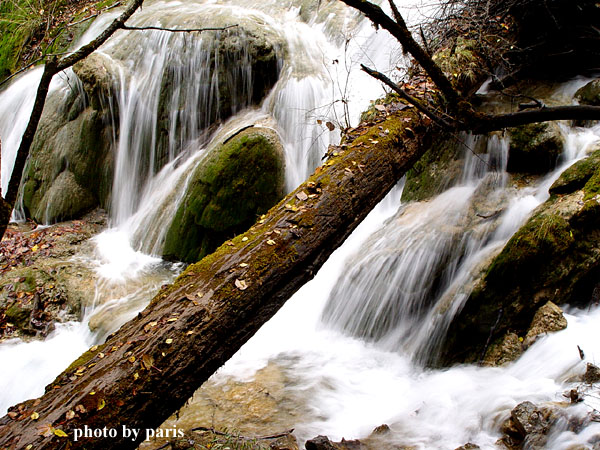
(231, 187)
(509, 349)
(576, 176)
(547, 319)
(96, 73)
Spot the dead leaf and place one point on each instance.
(380, 108)
(243, 265)
(35, 416)
(147, 361)
(169, 341)
(244, 239)
(330, 126)
(101, 404)
(80, 409)
(271, 242)
(241, 285)
(131, 359)
(60, 433)
(301, 196)
(70, 415)
(172, 319)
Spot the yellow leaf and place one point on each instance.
(35, 248)
(136, 376)
(243, 265)
(35, 416)
(29, 447)
(271, 242)
(172, 319)
(131, 359)
(245, 238)
(101, 405)
(60, 433)
(70, 415)
(169, 341)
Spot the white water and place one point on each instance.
(354, 368)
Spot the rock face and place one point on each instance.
(231, 187)
(534, 148)
(554, 257)
(70, 167)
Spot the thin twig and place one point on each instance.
(245, 438)
(409, 98)
(175, 30)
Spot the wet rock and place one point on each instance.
(549, 318)
(554, 257)
(234, 185)
(589, 94)
(592, 374)
(534, 148)
(439, 168)
(576, 176)
(70, 167)
(319, 443)
(509, 349)
(528, 426)
(97, 75)
(323, 443)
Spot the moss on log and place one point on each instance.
(154, 363)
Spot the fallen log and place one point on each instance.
(149, 368)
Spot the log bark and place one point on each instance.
(154, 363)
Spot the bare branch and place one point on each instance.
(409, 98)
(400, 31)
(486, 123)
(175, 30)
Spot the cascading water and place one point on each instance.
(350, 341)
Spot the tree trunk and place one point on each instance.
(154, 363)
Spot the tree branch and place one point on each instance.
(175, 30)
(487, 123)
(400, 31)
(410, 99)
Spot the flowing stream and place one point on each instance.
(348, 349)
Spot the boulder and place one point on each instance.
(529, 426)
(589, 94)
(534, 148)
(576, 176)
(96, 72)
(236, 182)
(69, 171)
(548, 319)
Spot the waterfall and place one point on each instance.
(353, 342)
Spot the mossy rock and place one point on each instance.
(231, 187)
(589, 94)
(576, 176)
(70, 167)
(534, 148)
(439, 168)
(554, 257)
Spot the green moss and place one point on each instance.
(576, 176)
(436, 169)
(589, 94)
(85, 358)
(544, 235)
(229, 190)
(592, 187)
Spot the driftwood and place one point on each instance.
(153, 364)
